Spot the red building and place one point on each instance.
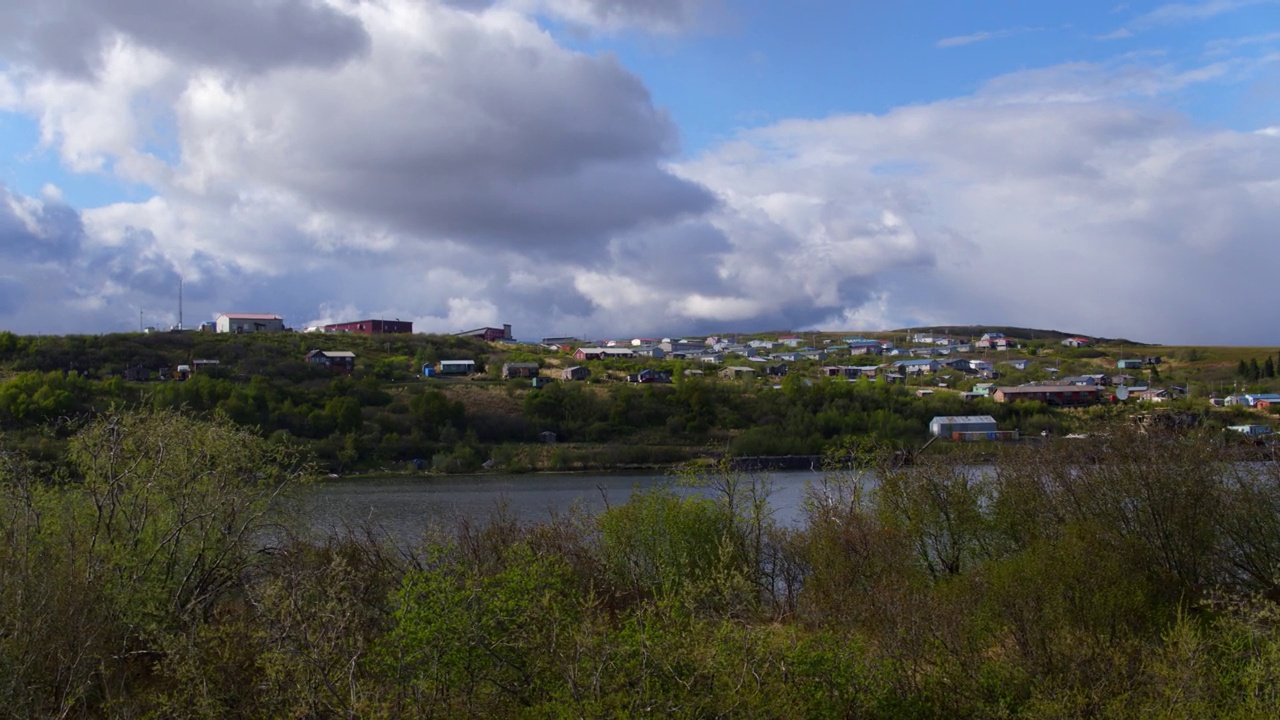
(371, 327)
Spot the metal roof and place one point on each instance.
(957, 419)
(251, 316)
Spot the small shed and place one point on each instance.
(945, 425)
(577, 372)
(457, 367)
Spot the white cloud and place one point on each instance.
(460, 168)
(984, 36)
(1181, 13)
(660, 16)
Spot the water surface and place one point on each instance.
(403, 507)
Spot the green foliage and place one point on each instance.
(1120, 578)
(153, 529)
(668, 546)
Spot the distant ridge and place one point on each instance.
(1014, 332)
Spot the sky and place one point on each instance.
(617, 168)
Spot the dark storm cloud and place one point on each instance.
(38, 232)
(244, 35)
(135, 264)
(13, 295)
(479, 134)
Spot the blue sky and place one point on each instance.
(613, 168)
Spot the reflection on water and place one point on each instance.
(404, 506)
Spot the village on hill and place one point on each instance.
(1058, 371)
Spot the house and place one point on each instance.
(559, 343)
(1019, 364)
(137, 373)
(791, 341)
(604, 353)
(488, 334)
(1078, 380)
(859, 346)
(846, 371)
(1129, 364)
(1155, 395)
(336, 360)
(1061, 395)
(1123, 379)
(653, 351)
(371, 327)
(1077, 342)
(995, 341)
(738, 371)
(248, 322)
(577, 372)
(916, 367)
(681, 346)
(1252, 430)
(945, 425)
(1252, 399)
(457, 367)
(649, 375)
(980, 366)
(519, 370)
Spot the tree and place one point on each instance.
(1269, 368)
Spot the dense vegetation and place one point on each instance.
(159, 575)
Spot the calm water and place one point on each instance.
(404, 506)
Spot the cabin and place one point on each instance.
(577, 372)
(337, 360)
(513, 370)
(457, 367)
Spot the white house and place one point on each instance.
(248, 322)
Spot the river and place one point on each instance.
(402, 507)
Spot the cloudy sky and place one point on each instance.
(618, 167)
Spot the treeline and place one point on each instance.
(161, 577)
(1251, 370)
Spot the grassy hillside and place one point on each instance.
(387, 416)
